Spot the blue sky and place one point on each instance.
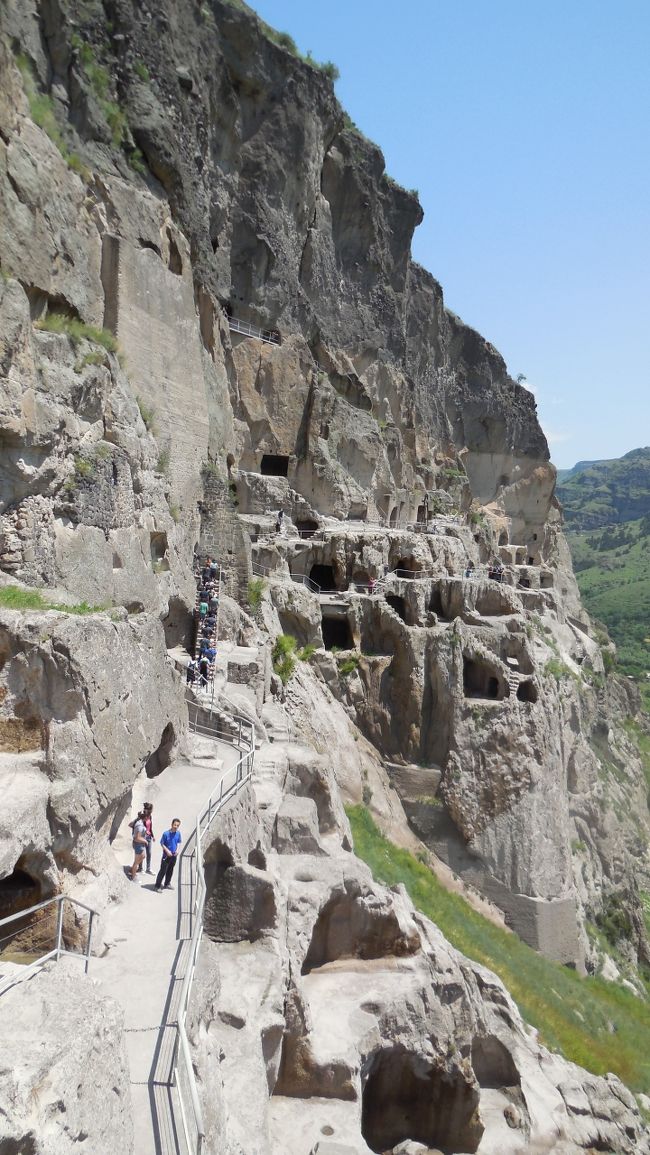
(524, 126)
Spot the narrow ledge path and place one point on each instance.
(150, 933)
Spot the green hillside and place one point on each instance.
(612, 566)
(600, 493)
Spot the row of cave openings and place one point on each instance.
(405, 1095)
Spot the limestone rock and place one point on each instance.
(63, 1071)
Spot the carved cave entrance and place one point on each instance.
(527, 692)
(337, 633)
(406, 1097)
(398, 604)
(324, 577)
(481, 680)
(274, 465)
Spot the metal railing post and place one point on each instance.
(90, 931)
(59, 927)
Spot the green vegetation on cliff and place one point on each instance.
(599, 493)
(607, 513)
(601, 1026)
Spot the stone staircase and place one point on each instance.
(222, 535)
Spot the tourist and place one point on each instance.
(191, 671)
(470, 570)
(279, 521)
(206, 572)
(139, 843)
(204, 670)
(213, 603)
(203, 606)
(214, 570)
(147, 812)
(170, 843)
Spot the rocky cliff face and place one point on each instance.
(169, 177)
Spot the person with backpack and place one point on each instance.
(170, 843)
(147, 812)
(191, 672)
(139, 843)
(204, 670)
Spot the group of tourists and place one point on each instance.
(200, 668)
(142, 840)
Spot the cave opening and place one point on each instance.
(324, 577)
(481, 681)
(178, 624)
(274, 465)
(398, 604)
(337, 634)
(158, 546)
(406, 567)
(524, 583)
(527, 692)
(546, 581)
(421, 515)
(161, 757)
(18, 891)
(306, 526)
(393, 517)
(493, 1064)
(406, 1098)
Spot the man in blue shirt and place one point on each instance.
(170, 843)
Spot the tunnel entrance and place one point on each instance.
(406, 567)
(398, 604)
(161, 757)
(337, 634)
(306, 527)
(493, 1064)
(274, 465)
(18, 891)
(527, 692)
(324, 577)
(481, 681)
(406, 1097)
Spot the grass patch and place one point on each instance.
(599, 1025)
(164, 459)
(347, 666)
(283, 655)
(42, 110)
(141, 71)
(15, 598)
(147, 413)
(307, 652)
(100, 83)
(554, 668)
(256, 587)
(78, 331)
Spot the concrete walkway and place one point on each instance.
(144, 969)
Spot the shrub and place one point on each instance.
(559, 670)
(330, 70)
(78, 331)
(348, 665)
(94, 358)
(84, 467)
(141, 71)
(283, 654)
(147, 413)
(136, 160)
(609, 660)
(256, 587)
(164, 458)
(307, 652)
(174, 512)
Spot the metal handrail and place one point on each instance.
(229, 785)
(273, 575)
(58, 949)
(247, 330)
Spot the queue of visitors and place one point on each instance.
(200, 668)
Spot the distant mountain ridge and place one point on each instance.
(594, 494)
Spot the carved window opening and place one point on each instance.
(398, 604)
(481, 680)
(324, 577)
(274, 465)
(337, 634)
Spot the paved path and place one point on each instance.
(144, 968)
